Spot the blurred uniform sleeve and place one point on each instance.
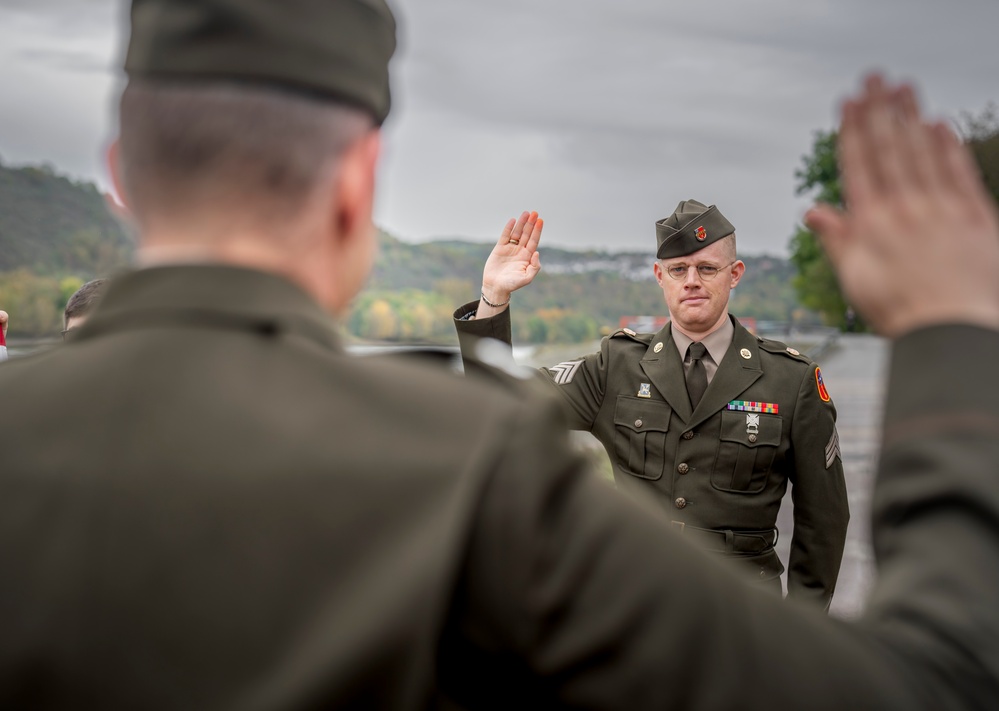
(569, 595)
(579, 382)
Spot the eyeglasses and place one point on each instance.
(706, 272)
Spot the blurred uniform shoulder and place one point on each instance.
(434, 357)
(489, 372)
(460, 408)
(491, 363)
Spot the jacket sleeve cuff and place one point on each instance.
(497, 326)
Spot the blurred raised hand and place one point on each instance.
(918, 241)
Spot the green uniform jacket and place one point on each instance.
(724, 470)
(206, 504)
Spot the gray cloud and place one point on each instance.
(68, 60)
(66, 18)
(602, 113)
(716, 97)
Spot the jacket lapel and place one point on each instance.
(735, 374)
(665, 370)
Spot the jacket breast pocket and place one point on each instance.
(640, 436)
(747, 445)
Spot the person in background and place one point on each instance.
(78, 308)
(81, 304)
(3, 335)
(704, 420)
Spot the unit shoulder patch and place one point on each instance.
(821, 385)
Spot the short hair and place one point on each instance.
(185, 148)
(84, 300)
(729, 241)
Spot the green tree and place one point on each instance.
(815, 282)
(67, 287)
(382, 323)
(982, 135)
(55, 226)
(35, 303)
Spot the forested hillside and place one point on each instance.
(56, 233)
(52, 225)
(577, 297)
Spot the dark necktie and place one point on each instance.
(697, 376)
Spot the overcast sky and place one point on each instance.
(600, 114)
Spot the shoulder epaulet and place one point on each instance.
(495, 359)
(449, 357)
(771, 346)
(643, 338)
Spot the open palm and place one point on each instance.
(514, 261)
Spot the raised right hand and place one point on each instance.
(514, 261)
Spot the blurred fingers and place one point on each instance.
(960, 172)
(855, 169)
(879, 135)
(830, 225)
(920, 152)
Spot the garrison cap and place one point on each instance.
(337, 49)
(691, 227)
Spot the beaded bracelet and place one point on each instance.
(490, 303)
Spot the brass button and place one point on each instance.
(638, 423)
(688, 435)
(752, 438)
(680, 502)
(683, 468)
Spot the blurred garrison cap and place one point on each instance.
(691, 227)
(338, 49)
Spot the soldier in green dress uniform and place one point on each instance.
(704, 419)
